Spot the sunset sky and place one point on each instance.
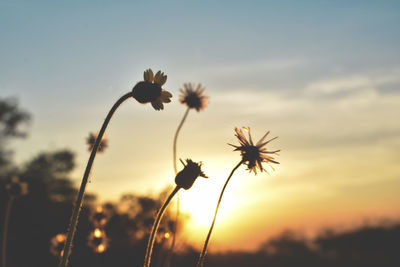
(324, 76)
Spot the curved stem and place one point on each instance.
(200, 263)
(5, 230)
(171, 249)
(79, 200)
(149, 249)
(176, 138)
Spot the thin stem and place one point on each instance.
(79, 200)
(176, 138)
(160, 213)
(5, 230)
(200, 263)
(171, 249)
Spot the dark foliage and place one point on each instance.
(12, 118)
(365, 247)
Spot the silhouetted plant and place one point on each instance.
(184, 179)
(150, 91)
(15, 189)
(92, 139)
(147, 91)
(193, 99)
(253, 155)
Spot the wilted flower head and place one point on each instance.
(186, 177)
(92, 139)
(254, 155)
(98, 240)
(193, 98)
(99, 217)
(57, 245)
(150, 90)
(16, 188)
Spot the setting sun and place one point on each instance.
(201, 206)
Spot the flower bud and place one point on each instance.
(150, 90)
(145, 92)
(189, 174)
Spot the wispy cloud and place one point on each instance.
(245, 69)
(260, 74)
(354, 83)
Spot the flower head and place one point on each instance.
(150, 90)
(92, 139)
(57, 245)
(186, 177)
(254, 155)
(193, 98)
(98, 240)
(16, 188)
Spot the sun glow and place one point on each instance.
(200, 203)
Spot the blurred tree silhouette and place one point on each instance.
(12, 118)
(35, 218)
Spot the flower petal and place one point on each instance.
(262, 139)
(241, 137)
(248, 131)
(270, 152)
(165, 96)
(148, 76)
(159, 78)
(157, 104)
(163, 79)
(263, 144)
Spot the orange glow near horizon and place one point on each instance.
(256, 208)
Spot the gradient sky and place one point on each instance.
(324, 76)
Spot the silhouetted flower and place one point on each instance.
(150, 90)
(193, 98)
(16, 188)
(92, 139)
(98, 240)
(57, 245)
(99, 217)
(186, 177)
(256, 154)
(253, 156)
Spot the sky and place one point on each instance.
(324, 76)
